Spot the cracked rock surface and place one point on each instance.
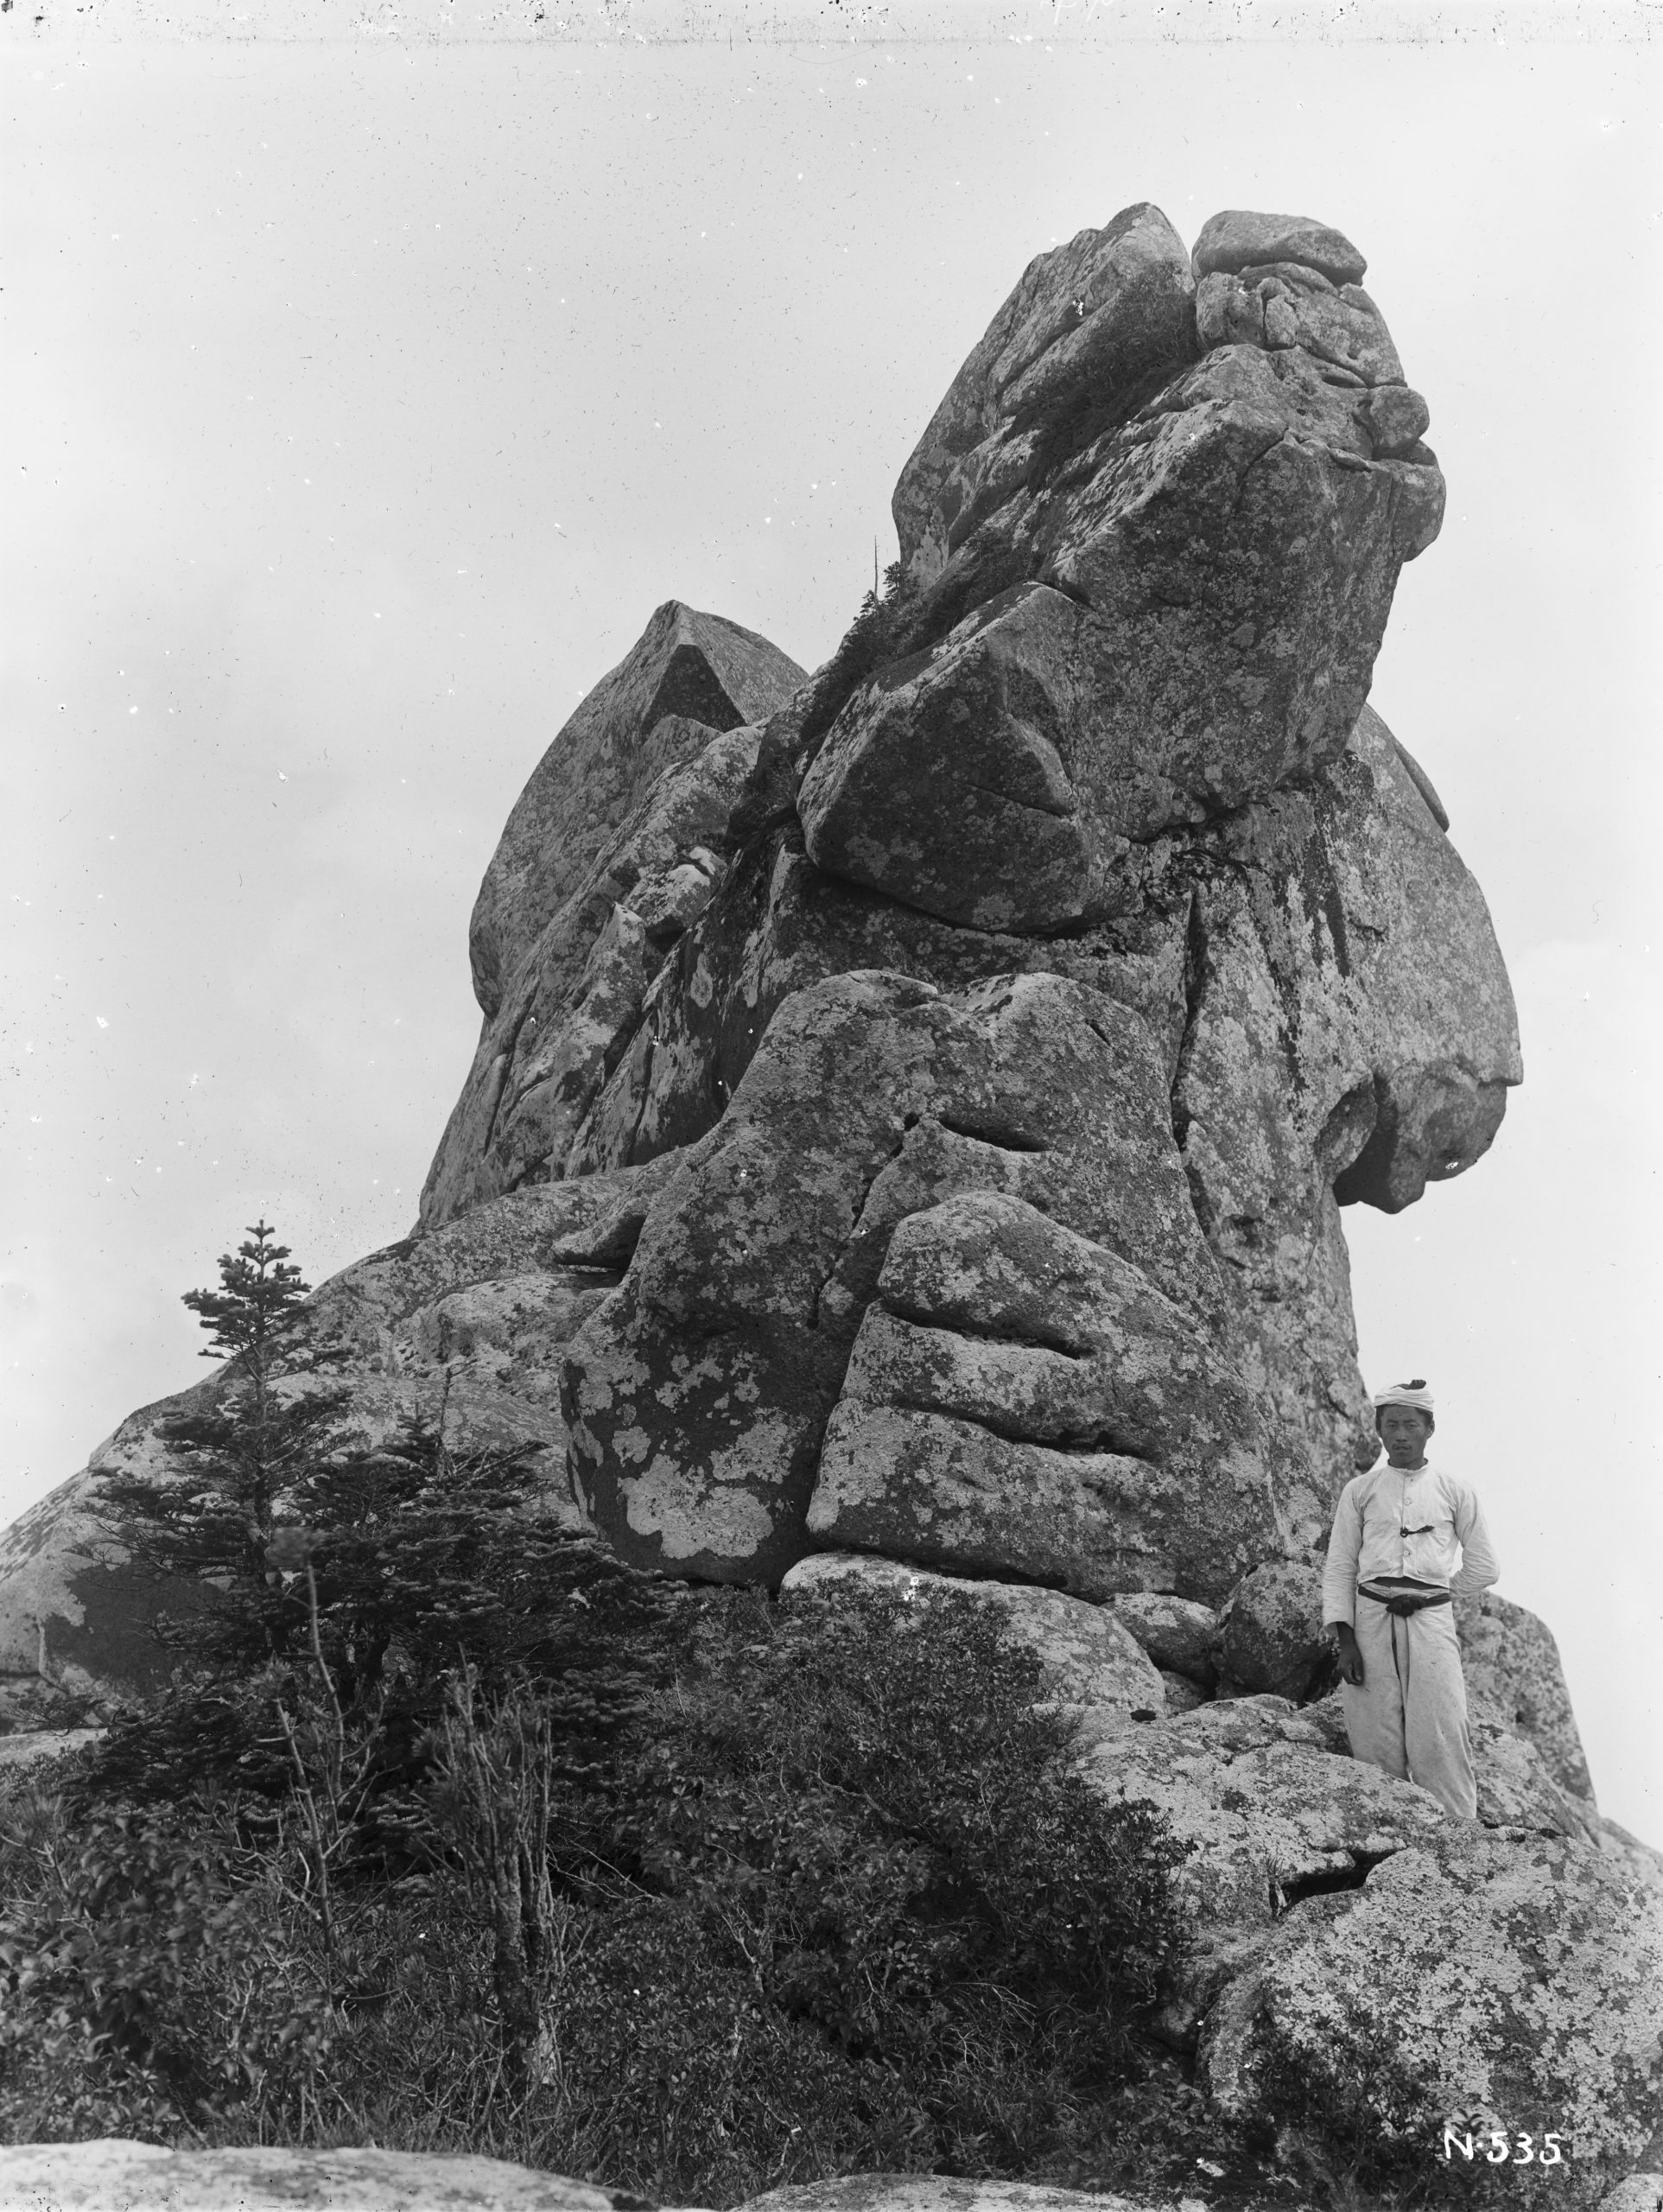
(910, 1134)
(1474, 1972)
(698, 1398)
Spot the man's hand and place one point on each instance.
(1351, 1657)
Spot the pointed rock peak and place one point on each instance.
(1238, 238)
(689, 672)
(706, 668)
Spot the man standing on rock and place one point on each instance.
(1399, 1532)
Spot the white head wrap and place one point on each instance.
(1413, 1394)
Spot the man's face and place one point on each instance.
(1404, 1431)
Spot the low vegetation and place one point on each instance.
(452, 1832)
(795, 1913)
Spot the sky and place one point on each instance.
(360, 402)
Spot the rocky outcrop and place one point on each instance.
(117, 2176)
(1472, 1972)
(1287, 1836)
(1512, 1666)
(614, 846)
(687, 677)
(1091, 1667)
(1160, 536)
(1096, 946)
(942, 2193)
(1240, 854)
(909, 1138)
(806, 1414)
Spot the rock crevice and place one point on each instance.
(908, 1138)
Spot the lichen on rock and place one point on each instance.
(908, 1142)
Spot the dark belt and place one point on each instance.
(1408, 1602)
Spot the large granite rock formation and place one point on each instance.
(1120, 739)
(909, 1137)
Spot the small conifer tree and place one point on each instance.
(214, 1522)
(257, 1295)
(314, 1552)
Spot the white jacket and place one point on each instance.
(1388, 1525)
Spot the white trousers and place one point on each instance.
(1408, 1715)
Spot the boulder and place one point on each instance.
(1471, 1972)
(1512, 1667)
(1236, 238)
(959, 1495)
(956, 785)
(1007, 1358)
(113, 2175)
(1636, 1858)
(1639, 2192)
(1180, 1635)
(1286, 306)
(943, 2193)
(1516, 1789)
(687, 677)
(1192, 624)
(1270, 1631)
(1228, 523)
(43, 1747)
(1091, 1665)
(1085, 328)
(1271, 1813)
(1183, 1694)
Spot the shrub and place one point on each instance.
(821, 1918)
(882, 631)
(804, 1913)
(414, 1560)
(142, 1985)
(551, 1858)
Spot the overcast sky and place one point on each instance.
(360, 403)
